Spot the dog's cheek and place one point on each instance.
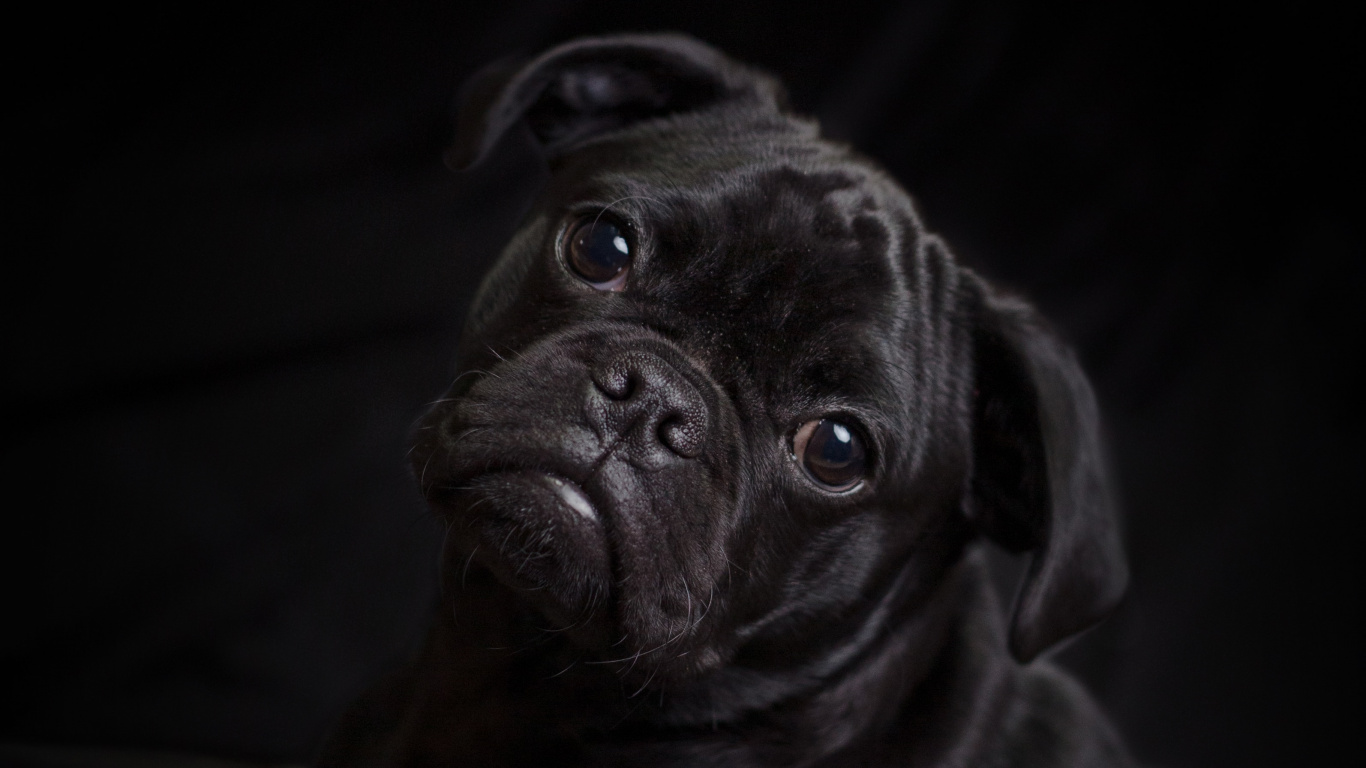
(813, 577)
(834, 569)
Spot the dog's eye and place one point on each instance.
(598, 251)
(831, 453)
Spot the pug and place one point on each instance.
(730, 431)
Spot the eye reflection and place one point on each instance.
(831, 453)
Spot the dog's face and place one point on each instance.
(722, 388)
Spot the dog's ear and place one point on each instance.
(1039, 478)
(592, 85)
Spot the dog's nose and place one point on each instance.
(641, 395)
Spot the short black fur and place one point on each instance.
(638, 571)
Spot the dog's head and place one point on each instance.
(723, 387)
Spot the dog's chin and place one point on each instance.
(538, 534)
(543, 537)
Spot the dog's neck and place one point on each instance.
(471, 695)
(907, 623)
(906, 649)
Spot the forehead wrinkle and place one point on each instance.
(688, 197)
(763, 250)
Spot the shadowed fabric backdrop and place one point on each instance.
(237, 270)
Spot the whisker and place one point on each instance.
(645, 684)
(468, 560)
(561, 672)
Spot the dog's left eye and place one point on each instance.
(597, 250)
(831, 453)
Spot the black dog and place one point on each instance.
(729, 425)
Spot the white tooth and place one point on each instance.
(575, 499)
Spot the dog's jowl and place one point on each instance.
(730, 428)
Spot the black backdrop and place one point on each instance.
(237, 267)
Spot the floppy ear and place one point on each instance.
(597, 84)
(1039, 475)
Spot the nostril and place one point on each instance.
(682, 435)
(618, 383)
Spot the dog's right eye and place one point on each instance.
(831, 453)
(598, 250)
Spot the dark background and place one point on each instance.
(237, 267)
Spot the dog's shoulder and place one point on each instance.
(978, 706)
(1052, 720)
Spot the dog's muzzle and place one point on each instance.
(589, 471)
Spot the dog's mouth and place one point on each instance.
(573, 497)
(538, 532)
